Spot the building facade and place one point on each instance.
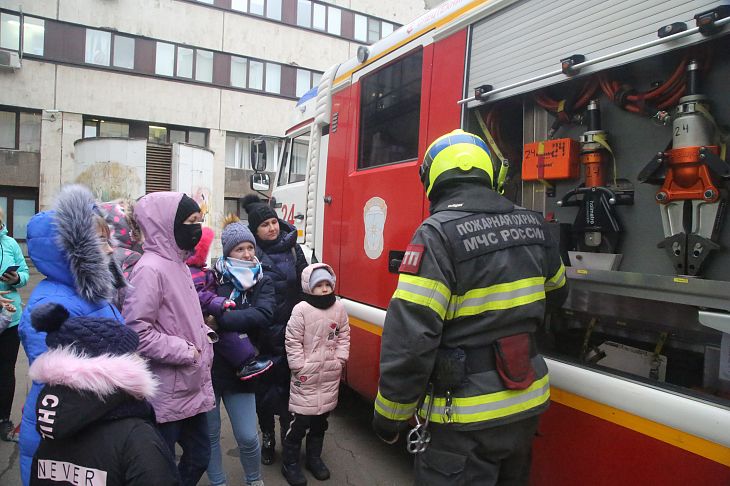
(134, 96)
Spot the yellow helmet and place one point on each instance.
(457, 156)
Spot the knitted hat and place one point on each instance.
(235, 233)
(185, 208)
(257, 210)
(319, 275)
(93, 336)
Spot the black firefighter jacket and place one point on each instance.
(477, 270)
(95, 433)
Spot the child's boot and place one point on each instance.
(267, 448)
(314, 458)
(290, 464)
(254, 368)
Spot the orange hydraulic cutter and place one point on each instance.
(691, 199)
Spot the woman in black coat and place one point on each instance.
(283, 261)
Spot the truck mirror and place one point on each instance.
(258, 154)
(260, 181)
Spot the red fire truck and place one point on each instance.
(608, 118)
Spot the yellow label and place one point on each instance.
(540, 148)
(681, 280)
(561, 106)
(582, 271)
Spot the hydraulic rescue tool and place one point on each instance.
(692, 200)
(597, 227)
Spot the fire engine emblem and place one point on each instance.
(374, 215)
(412, 259)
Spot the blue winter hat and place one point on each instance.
(234, 234)
(93, 336)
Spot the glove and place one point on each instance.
(229, 304)
(388, 430)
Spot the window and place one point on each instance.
(319, 16)
(304, 81)
(238, 151)
(123, 52)
(256, 75)
(177, 136)
(23, 210)
(230, 206)
(8, 120)
(390, 106)
(184, 62)
(256, 7)
(361, 28)
(239, 65)
(33, 35)
(304, 13)
(273, 77)
(196, 138)
(95, 127)
(373, 30)
(204, 66)
(9, 31)
(273, 9)
(239, 5)
(98, 47)
(29, 136)
(165, 59)
(157, 134)
(334, 20)
(386, 28)
(316, 78)
(294, 162)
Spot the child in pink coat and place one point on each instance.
(317, 347)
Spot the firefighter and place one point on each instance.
(458, 343)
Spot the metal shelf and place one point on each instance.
(707, 294)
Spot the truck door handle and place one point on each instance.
(299, 217)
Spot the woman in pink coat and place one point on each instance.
(317, 347)
(162, 306)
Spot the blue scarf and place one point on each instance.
(241, 274)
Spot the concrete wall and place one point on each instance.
(112, 168)
(399, 12)
(20, 168)
(31, 86)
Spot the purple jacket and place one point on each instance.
(206, 286)
(163, 308)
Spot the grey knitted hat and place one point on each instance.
(234, 234)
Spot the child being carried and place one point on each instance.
(235, 348)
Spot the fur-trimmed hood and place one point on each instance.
(102, 375)
(199, 258)
(64, 245)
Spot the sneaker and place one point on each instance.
(258, 482)
(254, 368)
(7, 431)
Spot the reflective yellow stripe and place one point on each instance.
(497, 297)
(557, 281)
(394, 410)
(492, 406)
(423, 291)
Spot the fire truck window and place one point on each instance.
(390, 107)
(298, 164)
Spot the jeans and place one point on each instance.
(191, 433)
(9, 343)
(241, 408)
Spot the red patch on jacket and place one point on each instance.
(303, 379)
(412, 259)
(333, 325)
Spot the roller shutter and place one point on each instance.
(529, 38)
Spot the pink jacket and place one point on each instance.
(162, 306)
(317, 346)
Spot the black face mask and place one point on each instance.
(188, 235)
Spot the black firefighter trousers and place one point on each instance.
(495, 456)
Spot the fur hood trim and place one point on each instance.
(76, 235)
(200, 257)
(102, 375)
